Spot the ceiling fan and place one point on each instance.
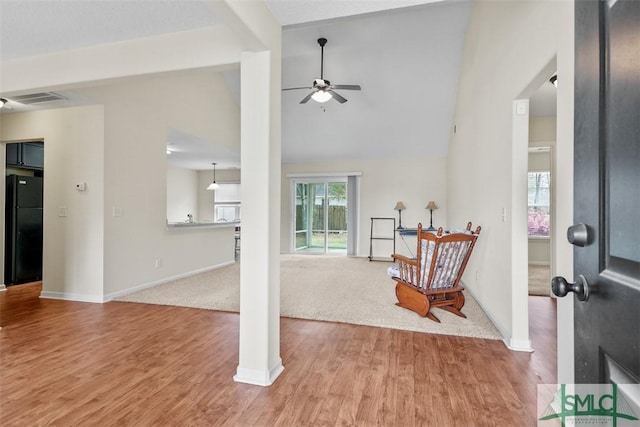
(323, 90)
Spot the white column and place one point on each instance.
(517, 218)
(259, 361)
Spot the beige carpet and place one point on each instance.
(330, 288)
(539, 280)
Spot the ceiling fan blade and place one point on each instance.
(347, 87)
(338, 97)
(306, 98)
(296, 88)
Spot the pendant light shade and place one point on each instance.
(214, 185)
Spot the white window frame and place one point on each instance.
(548, 206)
(236, 204)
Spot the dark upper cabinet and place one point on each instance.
(13, 158)
(27, 155)
(33, 155)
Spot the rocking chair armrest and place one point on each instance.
(408, 269)
(404, 259)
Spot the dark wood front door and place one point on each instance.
(607, 191)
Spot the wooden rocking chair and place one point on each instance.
(432, 279)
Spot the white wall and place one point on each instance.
(74, 147)
(508, 46)
(182, 194)
(542, 131)
(137, 118)
(119, 150)
(414, 181)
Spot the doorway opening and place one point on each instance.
(539, 215)
(23, 219)
(540, 211)
(320, 217)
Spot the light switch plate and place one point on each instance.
(521, 108)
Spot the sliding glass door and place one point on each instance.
(321, 216)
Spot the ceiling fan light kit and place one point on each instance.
(321, 96)
(323, 90)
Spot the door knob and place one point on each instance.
(560, 287)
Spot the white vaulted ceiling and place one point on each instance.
(407, 60)
(30, 28)
(291, 12)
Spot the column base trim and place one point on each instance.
(257, 376)
(519, 345)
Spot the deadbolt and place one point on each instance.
(578, 235)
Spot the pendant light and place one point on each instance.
(213, 185)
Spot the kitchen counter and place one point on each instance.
(204, 224)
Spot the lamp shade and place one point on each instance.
(399, 207)
(432, 205)
(321, 96)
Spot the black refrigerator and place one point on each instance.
(23, 230)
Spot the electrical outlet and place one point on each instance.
(158, 262)
(62, 212)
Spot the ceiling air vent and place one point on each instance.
(37, 98)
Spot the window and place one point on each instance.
(226, 204)
(539, 220)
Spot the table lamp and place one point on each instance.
(399, 207)
(431, 206)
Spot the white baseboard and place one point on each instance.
(519, 345)
(147, 285)
(498, 327)
(258, 376)
(68, 296)
(511, 344)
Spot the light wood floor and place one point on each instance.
(68, 363)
